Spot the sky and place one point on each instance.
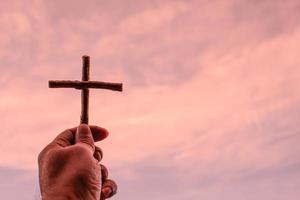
(211, 101)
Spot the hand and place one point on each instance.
(69, 166)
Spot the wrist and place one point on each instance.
(65, 193)
(60, 194)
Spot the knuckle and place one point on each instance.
(42, 154)
(89, 142)
(86, 139)
(82, 150)
(104, 172)
(98, 153)
(40, 157)
(112, 184)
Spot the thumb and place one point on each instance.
(84, 136)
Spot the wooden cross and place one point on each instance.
(84, 86)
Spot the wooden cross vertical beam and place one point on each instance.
(84, 119)
(84, 86)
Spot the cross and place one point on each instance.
(84, 86)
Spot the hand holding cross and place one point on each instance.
(84, 86)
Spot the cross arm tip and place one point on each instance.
(85, 57)
(120, 89)
(51, 83)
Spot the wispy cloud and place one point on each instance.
(210, 106)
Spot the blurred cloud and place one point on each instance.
(18, 183)
(210, 107)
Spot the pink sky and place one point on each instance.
(211, 101)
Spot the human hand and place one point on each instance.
(69, 166)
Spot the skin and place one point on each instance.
(69, 166)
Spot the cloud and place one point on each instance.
(152, 19)
(22, 181)
(210, 106)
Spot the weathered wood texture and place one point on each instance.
(84, 86)
(84, 119)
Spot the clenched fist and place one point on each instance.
(69, 166)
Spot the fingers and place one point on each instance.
(84, 136)
(67, 137)
(109, 188)
(104, 173)
(98, 133)
(98, 154)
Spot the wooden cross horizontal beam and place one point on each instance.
(85, 85)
